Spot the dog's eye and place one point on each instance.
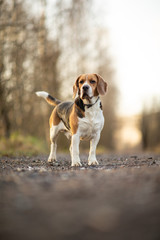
(92, 81)
(81, 82)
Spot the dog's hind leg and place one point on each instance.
(54, 132)
(55, 127)
(53, 139)
(52, 156)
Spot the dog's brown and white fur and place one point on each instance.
(80, 120)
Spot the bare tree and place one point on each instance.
(29, 63)
(4, 107)
(35, 60)
(150, 126)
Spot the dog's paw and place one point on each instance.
(76, 163)
(93, 162)
(51, 160)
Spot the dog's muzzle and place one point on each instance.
(85, 88)
(85, 91)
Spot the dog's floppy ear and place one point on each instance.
(101, 86)
(76, 87)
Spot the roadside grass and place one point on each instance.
(22, 145)
(26, 145)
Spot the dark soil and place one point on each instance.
(117, 200)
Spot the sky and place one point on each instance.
(134, 46)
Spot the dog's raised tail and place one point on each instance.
(51, 100)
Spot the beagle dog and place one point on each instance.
(79, 120)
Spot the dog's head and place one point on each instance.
(89, 85)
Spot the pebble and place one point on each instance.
(57, 164)
(153, 162)
(42, 170)
(19, 169)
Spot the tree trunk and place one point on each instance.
(3, 107)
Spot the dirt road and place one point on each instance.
(119, 199)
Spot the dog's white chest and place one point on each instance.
(92, 123)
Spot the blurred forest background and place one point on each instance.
(35, 57)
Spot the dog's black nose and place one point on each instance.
(85, 87)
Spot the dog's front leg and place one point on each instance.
(92, 153)
(75, 150)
